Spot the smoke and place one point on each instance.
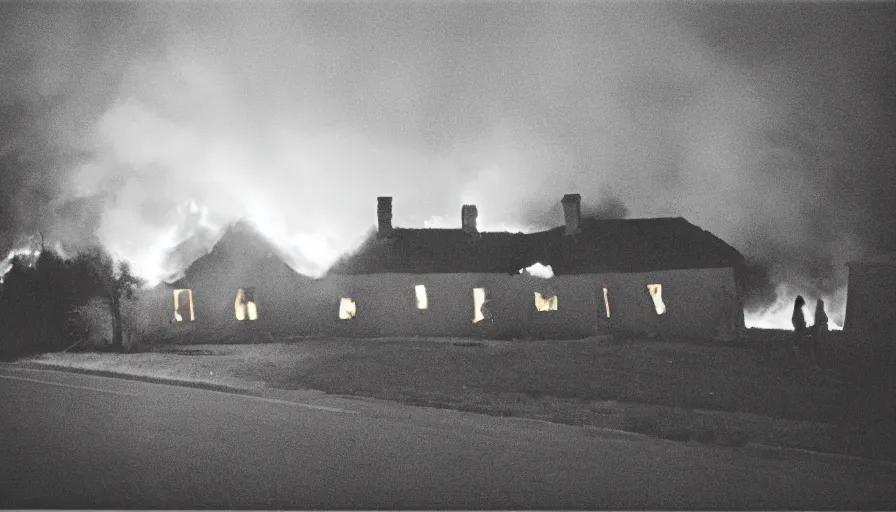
(775, 135)
(611, 207)
(537, 216)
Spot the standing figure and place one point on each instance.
(821, 318)
(799, 325)
(799, 321)
(817, 331)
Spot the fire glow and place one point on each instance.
(779, 314)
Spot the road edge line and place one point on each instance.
(33, 365)
(207, 386)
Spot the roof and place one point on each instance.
(887, 259)
(618, 245)
(240, 248)
(185, 253)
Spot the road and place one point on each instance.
(77, 441)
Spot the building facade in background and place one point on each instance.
(870, 303)
(663, 277)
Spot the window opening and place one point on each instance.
(183, 305)
(656, 293)
(244, 305)
(607, 302)
(478, 302)
(347, 309)
(420, 292)
(545, 303)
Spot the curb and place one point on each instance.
(153, 380)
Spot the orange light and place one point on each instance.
(545, 303)
(420, 292)
(244, 305)
(347, 309)
(607, 302)
(177, 316)
(656, 293)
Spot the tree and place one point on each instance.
(99, 275)
(18, 310)
(35, 299)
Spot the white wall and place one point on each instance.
(386, 305)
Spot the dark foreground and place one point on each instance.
(76, 441)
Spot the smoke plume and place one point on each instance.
(133, 125)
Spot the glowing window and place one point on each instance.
(420, 292)
(545, 303)
(478, 301)
(347, 309)
(656, 293)
(607, 302)
(183, 305)
(244, 306)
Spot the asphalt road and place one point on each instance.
(76, 441)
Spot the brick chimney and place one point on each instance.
(384, 216)
(468, 214)
(572, 212)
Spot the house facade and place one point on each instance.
(662, 277)
(656, 276)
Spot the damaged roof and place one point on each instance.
(602, 246)
(239, 250)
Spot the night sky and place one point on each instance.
(771, 125)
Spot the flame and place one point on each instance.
(538, 270)
(347, 309)
(310, 253)
(778, 315)
(149, 253)
(656, 293)
(239, 305)
(607, 302)
(177, 293)
(420, 293)
(478, 301)
(483, 224)
(545, 303)
(244, 305)
(28, 251)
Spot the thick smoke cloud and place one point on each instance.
(770, 126)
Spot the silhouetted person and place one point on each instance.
(817, 331)
(821, 318)
(799, 321)
(799, 325)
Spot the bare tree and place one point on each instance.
(99, 275)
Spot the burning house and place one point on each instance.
(660, 276)
(243, 279)
(657, 276)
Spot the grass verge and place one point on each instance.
(684, 391)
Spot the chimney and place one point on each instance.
(384, 216)
(572, 212)
(468, 214)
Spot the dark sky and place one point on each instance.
(771, 125)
